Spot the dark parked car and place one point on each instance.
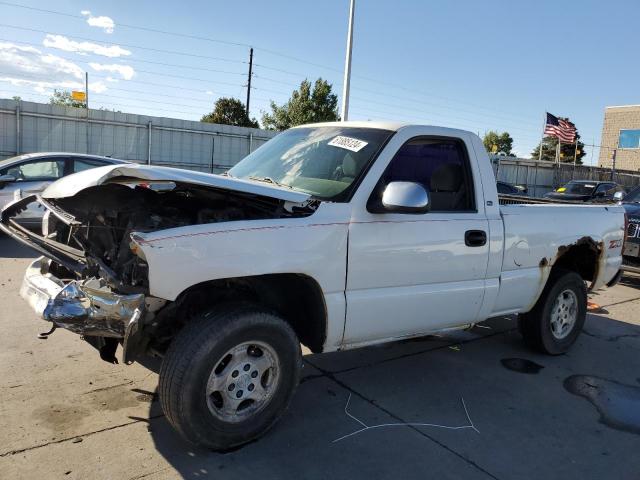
(587, 191)
(631, 204)
(31, 173)
(505, 188)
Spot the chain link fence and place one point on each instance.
(542, 177)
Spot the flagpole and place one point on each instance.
(558, 152)
(544, 124)
(575, 153)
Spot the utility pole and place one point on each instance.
(347, 65)
(86, 104)
(250, 75)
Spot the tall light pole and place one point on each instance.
(347, 65)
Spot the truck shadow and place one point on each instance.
(630, 280)
(422, 381)
(9, 248)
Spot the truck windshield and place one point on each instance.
(322, 161)
(578, 188)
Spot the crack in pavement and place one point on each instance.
(102, 389)
(612, 338)
(144, 475)
(620, 302)
(373, 403)
(82, 435)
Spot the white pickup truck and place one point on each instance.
(333, 235)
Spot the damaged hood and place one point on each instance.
(72, 184)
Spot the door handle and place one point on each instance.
(475, 238)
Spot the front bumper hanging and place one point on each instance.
(84, 307)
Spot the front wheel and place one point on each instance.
(229, 375)
(557, 318)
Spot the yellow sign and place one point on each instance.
(494, 148)
(79, 96)
(561, 189)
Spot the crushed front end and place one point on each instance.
(93, 278)
(86, 307)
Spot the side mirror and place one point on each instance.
(4, 179)
(618, 196)
(405, 197)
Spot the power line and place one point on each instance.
(136, 27)
(238, 61)
(414, 101)
(273, 52)
(158, 50)
(210, 82)
(127, 105)
(135, 60)
(32, 79)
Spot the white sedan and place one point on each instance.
(31, 173)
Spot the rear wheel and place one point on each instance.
(556, 320)
(229, 375)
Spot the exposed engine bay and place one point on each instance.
(95, 225)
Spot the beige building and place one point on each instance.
(621, 131)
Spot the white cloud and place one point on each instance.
(111, 79)
(16, 60)
(105, 23)
(61, 42)
(44, 72)
(209, 92)
(126, 71)
(97, 87)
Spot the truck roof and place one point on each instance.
(382, 125)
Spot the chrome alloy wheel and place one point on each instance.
(564, 314)
(243, 381)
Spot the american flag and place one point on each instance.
(563, 130)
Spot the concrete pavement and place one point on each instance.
(64, 413)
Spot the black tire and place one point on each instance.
(536, 326)
(199, 348)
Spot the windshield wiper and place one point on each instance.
(269, 180)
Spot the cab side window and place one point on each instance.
(441, 165)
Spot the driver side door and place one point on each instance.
(410, 274)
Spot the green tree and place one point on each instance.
(549, 146)
(230, 111)
(500, 143)
(17, 98)
(304, 106)
(63, 98)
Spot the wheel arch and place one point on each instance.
(582, 257)
(298, 298)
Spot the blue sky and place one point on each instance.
(474, 65)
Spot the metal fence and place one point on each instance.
(543, 177)
(35, 127)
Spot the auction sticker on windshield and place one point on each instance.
(348, 143)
